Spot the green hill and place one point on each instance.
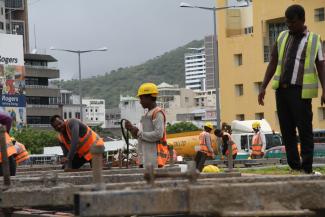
(168, 67)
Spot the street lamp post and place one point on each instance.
(215, 49)
(79, 52)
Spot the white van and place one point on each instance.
(242, 134)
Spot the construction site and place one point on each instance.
(210, 143)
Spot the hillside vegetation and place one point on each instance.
(168, 67)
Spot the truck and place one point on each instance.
(242, 134)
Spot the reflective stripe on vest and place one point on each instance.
(162, 147)
(203, 146)
(257, 144)
(83, 149)
(11, 150)
(233, 145)
(22, 153)
(310, 78)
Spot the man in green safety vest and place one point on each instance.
(296, 60)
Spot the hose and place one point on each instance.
(126, 139)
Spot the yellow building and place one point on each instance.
(245, 38)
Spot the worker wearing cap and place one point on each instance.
(258, 142)
(226, 141)
(151, 135)
(206, 150)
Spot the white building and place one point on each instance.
(205, 98)
(131, 109)
(94, 112)
(2, 17)
(195, 69)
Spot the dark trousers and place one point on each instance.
(12, 166)
(295, 112)
(78, 162)
(200, 158)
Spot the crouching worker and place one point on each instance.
(76, 139)
(22, 154)
(11, 152)
(226, 140)
(151, 135)
(206, 151)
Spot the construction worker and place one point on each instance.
(76, 139)
(151, 135)
(226, 140)
(22, 154)
(258, 142)
(206, 150)
(11, 152)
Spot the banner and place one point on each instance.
(12, 78)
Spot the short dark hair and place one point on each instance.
(54, 117)
(217, 132)
(295, 11)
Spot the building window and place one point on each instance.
(77, 115)
(321, 113)
(96, 119)
(91, 118)
(1, 10)
(65, 115)
(249, 30)
(240, 117)
(1, 25)
(258, 86)
(70, 114)
(239, 88)
(91, 110)
(238, 59)
(86, 110)
(319, 14)
(267, 54)
(259, 116)
(95, 110)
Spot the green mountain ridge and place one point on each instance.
(168, 67)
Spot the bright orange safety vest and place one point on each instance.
(203, 146)
(85, 143)
(11, 150)
(257, 144)
(22, 153)
(162, 147)
(233, 145)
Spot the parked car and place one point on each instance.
(280, 152)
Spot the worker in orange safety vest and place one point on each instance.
(258, 142)
(206, 151)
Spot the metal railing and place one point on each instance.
(42, 86)
(41, 106)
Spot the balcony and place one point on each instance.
(43, 110)
(42, 71)
(42, 90)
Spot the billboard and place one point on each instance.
(12, 78)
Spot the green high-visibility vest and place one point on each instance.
(310, 79)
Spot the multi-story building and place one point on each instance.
(205, 98)
(245, 49)
(195, 69)
(209, 63)
(113, 118)
(131, 109)
(94, 112)
(16, 19)
(39, 93)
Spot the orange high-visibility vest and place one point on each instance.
(257, 144)
(162, 147)
(203, 146)
(85, 143)
(11, 150)
(233, 145)
(22, 153)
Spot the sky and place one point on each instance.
(134, 31)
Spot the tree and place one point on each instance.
(181, 127)
(35, 140)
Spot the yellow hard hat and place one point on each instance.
(256, 125)
(211, 169)
(13, 138)
(209, 124)
(148, 88)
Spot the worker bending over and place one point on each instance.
(206, 150)
(76, 139)
(258, 142)
(21, 152)
(151, 135)
(226, 141)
